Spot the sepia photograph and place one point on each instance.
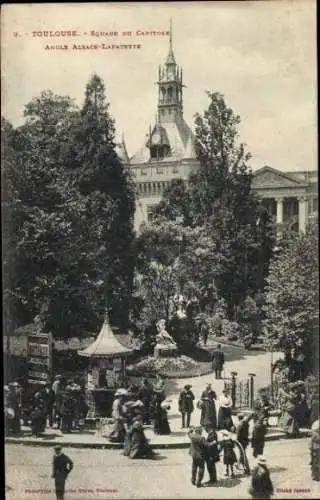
(160, 250)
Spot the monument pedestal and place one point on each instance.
(164, 351)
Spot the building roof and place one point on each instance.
(181, 140)
(105, 345)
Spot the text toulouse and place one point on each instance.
(73, 33)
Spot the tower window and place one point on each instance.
(144, 171)
(160, 170)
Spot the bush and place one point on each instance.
(162, 366)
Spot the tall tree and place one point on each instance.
(292, 297)
(239, 233)
(97, 170)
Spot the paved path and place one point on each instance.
(237, 359)
(28, 471)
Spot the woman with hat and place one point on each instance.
(225, 411)
(207, 405)
(185, 404)
(118, 431)
(139, 445)
(261, 484)
(159, 411)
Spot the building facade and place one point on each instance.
(168, 152)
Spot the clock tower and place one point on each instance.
(170, 88)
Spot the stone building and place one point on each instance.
(168, 152)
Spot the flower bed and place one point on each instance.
(171, 367)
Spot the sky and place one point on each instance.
(261, 55)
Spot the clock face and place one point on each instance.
(156, 138)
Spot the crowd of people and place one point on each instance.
(60, 405)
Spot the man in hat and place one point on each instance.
(186, 405)
(62, 466)
(261, 484)
(218, 361)
(198, 453)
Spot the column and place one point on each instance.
(279, 210)
(302, 213)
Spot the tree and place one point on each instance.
(292, 296)
(97, 170)
(70, 205)
(235, 235)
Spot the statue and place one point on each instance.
(165, 342)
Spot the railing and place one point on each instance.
(241, 390)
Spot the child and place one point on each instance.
(229, 456)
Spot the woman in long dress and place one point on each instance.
(160, 414)
(288, 420)
(118, 431)
(139, 445)
(225, 411)
(208, 418)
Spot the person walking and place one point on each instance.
(258, 437)
(212, 456)
(185, 404)
(198, 454)
(117, 433)
(208, 419)
(62, 466)
(261, 484)
(218, 361)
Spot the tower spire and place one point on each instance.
(170, 58)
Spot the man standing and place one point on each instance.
(261, 485)
(145, 395)
(198, 453)
(62, 466)
(218, 361)
(186, 405)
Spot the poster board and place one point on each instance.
(39, 358)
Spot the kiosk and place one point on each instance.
(106, 371)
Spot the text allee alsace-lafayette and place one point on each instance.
(91, 46)
(74, 33)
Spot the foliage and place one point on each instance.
(68, 215)
(292, 295)
(213, 224)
